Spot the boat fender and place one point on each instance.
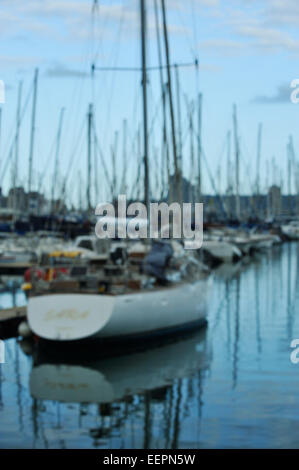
(26, 286)
(24, 330)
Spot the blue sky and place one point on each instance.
(248, 53)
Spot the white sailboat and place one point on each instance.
(139, 311)
(73, 317)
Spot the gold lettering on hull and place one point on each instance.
(67, 313)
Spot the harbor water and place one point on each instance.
(231, 385)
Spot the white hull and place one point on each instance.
(292, 232)
(70, 317)
(223, 251)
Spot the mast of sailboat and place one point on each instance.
(179, 115)
(18, 120)
(228, 163)
(199, 145)
(237, 156)
(113, 155)
(165, 152)
(124, 175)
(258, 158)
(89, 127)
(16, 162)
(144, 89)
(290, 158)
(228, 173)
(58, 139)
(178, 187)
(33, 117)
(192, 172)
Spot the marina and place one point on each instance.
(149, 226)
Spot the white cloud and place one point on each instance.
(265, 26)
(282, 95)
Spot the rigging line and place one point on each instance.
(63, 190)
(134, 152)
(76, 93)
(194, 24)
(213, 183)
(186, 28)
(155, 117)
(76, 145)
(47, 163)
(76, 149)
(102, 159)
(102, 28)
(251, 184)
(149, 69)
(119, 33)
(79, 151)
(10, 153)
(6, 145)
(252, 202)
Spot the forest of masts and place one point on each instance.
(159, 170)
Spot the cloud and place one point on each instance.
(22, 60)
(223, 46)
(264, 26)
(268, 38)
(75, 17)
(60, 71)
(282, 95)
(282, 12)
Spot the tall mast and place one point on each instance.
(113, 155)
(289, 157)
(178, 187)
(228, 174)
(237, 155)
(180, 146)
(165, 151)
(144, 89)
(258, 158)
(18, 120)
(89, 126)
(80, 190)
(31, 151)
(191, 194)
(57, 156)
(228, 162)
(95, 162)
(124, 176)
(199, 145)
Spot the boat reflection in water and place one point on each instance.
(114, 378)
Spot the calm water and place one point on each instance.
(230, 386)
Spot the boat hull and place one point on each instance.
(77, 317)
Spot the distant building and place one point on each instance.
(274, 201)
(17, 199)
(3, 200)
